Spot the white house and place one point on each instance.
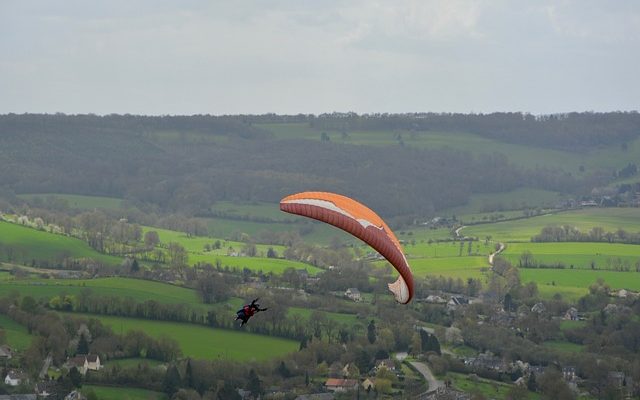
(80, 362)
(353, 294)
(13, 378)
(93, 362)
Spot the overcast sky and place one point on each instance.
(232, 57)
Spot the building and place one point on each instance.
(571, 314)
(5, 352)
(538, 308)
(44, 389)
(13, 378)
(388, 364)
(457, 301)
(369, 384)
(353, 294)
(340, 385)
(93, 362)
(316, 396)
(80, 363)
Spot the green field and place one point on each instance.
(122, 393)
(205, 343)
(258, 210)
(17, 336)
(518, 199)
(606, 157)
(489, 389)
(31, 244)
(564, 346)
(446, 249)
(454, 267)
(138, 289)
(580, 255)
(585, 219)
(313, 232)
(578, 281)
(78, 201)
(266, 265)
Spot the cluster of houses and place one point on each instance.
(14, 377)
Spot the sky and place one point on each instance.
(159, 57)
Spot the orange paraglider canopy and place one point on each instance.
(360, 221)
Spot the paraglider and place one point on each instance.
(355, 218)
(247, 311)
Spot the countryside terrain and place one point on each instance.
(155, 263)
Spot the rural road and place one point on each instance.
(424, 370)
(495, 253)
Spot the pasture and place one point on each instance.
(122, 393)
(254, 210)
(578, 255)
(266, 265)
(605, 157)
(579, 278)
(584, 219)
(196, 244)
(31, 244)
(138, 289)
(453, 267)
(201, 342)
(17, 335)
(483, 204)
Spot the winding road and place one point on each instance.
(501, 245)
(424, 370)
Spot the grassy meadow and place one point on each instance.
(17, 335)
(578, 255)
(585, 219)
(201, 342)
(605, 157)
(32, 244)
(138, 289)
(122, 393)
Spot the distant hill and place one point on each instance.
(187, 163)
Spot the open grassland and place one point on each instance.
(483, 204)
(138, 289)
(266, 265)
(31, 244)
(196, 244)
(453, 267)
(446, 249)
(79, 201)
(206, 343)
(576, 278)
(563, 346)
(122, 393)
(578, 255)
(605, 157)
(422, 234)
(585, 219)
(17, 335)
(311, 232)
(488, 388)
(256, 210)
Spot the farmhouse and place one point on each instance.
(5, 352)
(85, 363)
(388, 364)
(340, 385)
(571, 314)
(353, 294)
(13, 378)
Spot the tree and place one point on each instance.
(177, 255)
(83, 345)
(371, 332)
(271, 253)
(75, 377)
(254, 385)
(29, 305)
(171, 380)
(188, 375)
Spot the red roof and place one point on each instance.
(341, 382)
